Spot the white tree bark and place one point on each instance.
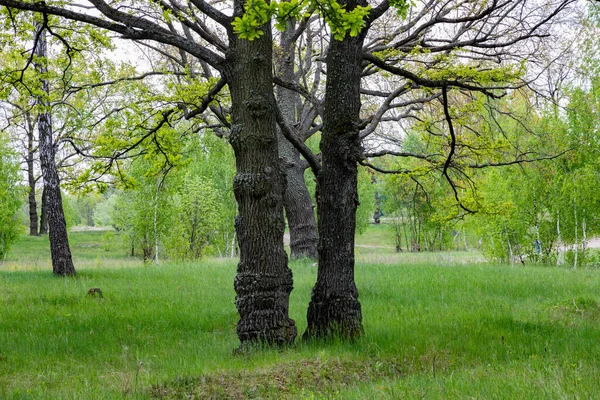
(156, 258)
(576, 236)
(560, 258)
(584, 243)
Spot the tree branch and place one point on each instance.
(294, 139)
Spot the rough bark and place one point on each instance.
(334, 309)
(31, 181)
(297, 201)
(44, 213)
(263, 282)
(62, 264)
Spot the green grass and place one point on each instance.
(377, 245)
(89, 249)
(431, 331)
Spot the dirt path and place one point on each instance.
(594, 243)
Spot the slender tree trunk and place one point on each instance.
(407, 241)
(584, 242)
(576, 236)
(297, 201)
(334, 309)
(155, 223)
(232, 254)
(263, 282)
(510, 251)
(44, 213)
(560, 257)
(537, 225)
(62, 264)
(33, 214)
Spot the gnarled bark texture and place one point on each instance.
(263, 282)
(297, 201)
(62, 264)
(334, 309)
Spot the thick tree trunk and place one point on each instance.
(334, 310)
(297, 201)
(44, 213)
(62, 263)
(263, 282)
(31, 181)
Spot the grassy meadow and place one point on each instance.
(437, 326)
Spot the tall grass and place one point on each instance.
(431, 331)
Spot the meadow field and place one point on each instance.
(437, 326)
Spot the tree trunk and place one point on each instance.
(62, 264)
(31, 181)
(560, 256)
(263, 282)
(44, 213)
(576, 236)
(297, 201)
(334, 309)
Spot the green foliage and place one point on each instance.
(402, 7)
(10, 196)
(198, 212)
(108, 240)
(143, 211)
(344, 22)
(341, 21)
(102, 210)
(72, 218)
(258, 13)
(419, 208)
(522, 208)
(211, 159)
(79, 209)
(448, 68)
(189, 212)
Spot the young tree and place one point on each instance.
(62, 262)
(37, 86)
